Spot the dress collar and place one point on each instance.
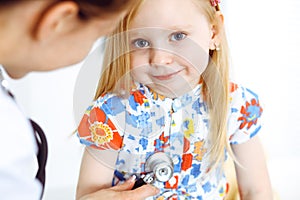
(176, 103)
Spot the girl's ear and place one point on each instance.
(216, 30)
(58, 19)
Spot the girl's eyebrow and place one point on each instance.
(137, 33)
(181, 27)
(150, 29)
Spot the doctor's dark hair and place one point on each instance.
(94, 8)
(87, 8)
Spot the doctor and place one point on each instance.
(33, 37)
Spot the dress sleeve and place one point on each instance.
(245, 112)
(96, 129)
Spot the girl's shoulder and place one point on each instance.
(240, 95)
(98, 126)
(135, 97)
(106, 97)
(245, 113)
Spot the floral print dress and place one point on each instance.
(146, 122)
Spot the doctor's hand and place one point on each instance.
(123, 192)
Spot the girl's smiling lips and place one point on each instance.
(166, 77)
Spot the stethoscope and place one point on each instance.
(158, 167)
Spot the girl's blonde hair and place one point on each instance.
(116, 67)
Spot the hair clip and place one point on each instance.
(214, 3)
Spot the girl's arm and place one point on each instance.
(252, 175)
(93, 175)
(95, 180)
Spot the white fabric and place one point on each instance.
(18, 163)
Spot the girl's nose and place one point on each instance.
(161, 57)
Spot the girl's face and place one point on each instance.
(169, 43)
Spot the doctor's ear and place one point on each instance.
(59, 19)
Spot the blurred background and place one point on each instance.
(264, 42)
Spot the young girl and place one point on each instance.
(164, 98)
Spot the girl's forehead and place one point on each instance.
(167, 14)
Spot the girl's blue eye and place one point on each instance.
(178, 36)
(141, 43)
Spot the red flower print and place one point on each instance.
(233, 87)
(172, 183)
(250, 113)
(161, 143)
(186, 161)
(186, 144)
(98, 131)
(138, 97)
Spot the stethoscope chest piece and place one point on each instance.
(158, 167)
(161, 165)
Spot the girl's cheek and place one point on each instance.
(138, 60)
